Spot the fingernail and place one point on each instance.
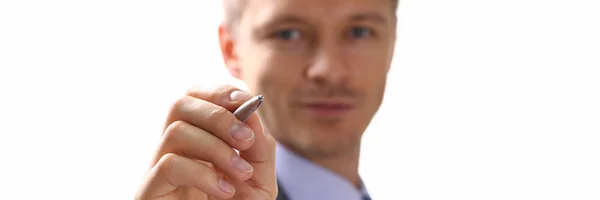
(225, 186)
(241, 133)
(241, 164)
(239, 95)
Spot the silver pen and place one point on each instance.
(246, 109)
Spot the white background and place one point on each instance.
(486, 99)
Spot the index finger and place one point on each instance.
(210, 110)
(261, 155)
(264, 145)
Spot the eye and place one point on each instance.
(360, 32)
(288, 34)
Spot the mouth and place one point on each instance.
(327, 109)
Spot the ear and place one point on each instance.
(227, 42)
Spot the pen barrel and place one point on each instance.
(245, 110)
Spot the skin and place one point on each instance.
(196, 157)
(294, 52)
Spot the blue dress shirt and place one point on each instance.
(301, 179)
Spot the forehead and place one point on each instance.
(263, 11)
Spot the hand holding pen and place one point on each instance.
(196, 157)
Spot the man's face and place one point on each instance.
(320, 64)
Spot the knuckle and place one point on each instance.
(183, 103)
(211, 92)
(226, 88)
(174, 129)
(167, 161)
(199, 92)
(194, 90)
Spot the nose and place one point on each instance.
(328, 66)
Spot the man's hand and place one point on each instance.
(196, 157)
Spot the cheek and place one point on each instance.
(269, 68)
(281, 70)
(278, 78)
(275, 79)
(267, 81)
(370, 69)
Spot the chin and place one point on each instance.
(328, 142)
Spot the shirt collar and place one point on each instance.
(302, 179)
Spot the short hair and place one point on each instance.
(234, 9)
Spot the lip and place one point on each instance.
(327, 108)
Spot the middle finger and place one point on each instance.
(190, 141)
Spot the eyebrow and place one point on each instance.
(294, 19)
(264, 27)
(372, 16)
(283, 19)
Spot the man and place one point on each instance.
(321, 66)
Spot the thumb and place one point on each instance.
(261, 156)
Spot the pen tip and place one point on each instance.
(260, 97)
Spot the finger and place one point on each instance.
(226, 96)
(212, 118)
(173, 171)
(261, 156)
(193, 142)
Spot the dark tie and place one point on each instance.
(366, 197)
